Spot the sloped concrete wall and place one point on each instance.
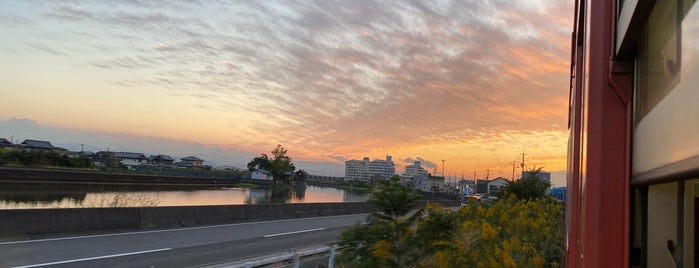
(25, 222)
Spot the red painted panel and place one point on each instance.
(598, 175)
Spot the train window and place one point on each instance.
(671, 221)
(658, 60)
(665, 112)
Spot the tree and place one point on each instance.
(512, 232)
(393, 199)
(387, 240)
(260, 162)
(281, 163)
(278, 165)
(529, 187)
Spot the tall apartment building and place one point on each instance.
(415, 170)
(356, 170)
(364, 170)
(384, 168)
(419, 175)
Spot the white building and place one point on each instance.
(130, 159)
(384, 168)
(497, 184)
(262, 174)
(435, 184)
(419, 175)
(356, 170)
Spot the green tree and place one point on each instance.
(512, 232)
(388, 238)
(529, 187)
(260, 162)
(279, 164)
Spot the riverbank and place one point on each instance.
(43, 175)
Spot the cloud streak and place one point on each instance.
(335, 78)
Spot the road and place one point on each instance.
(183, 247)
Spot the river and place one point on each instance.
(39, 195)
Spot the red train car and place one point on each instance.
(633, 152)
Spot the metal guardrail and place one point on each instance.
(293, 258)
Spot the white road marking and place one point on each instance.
(295, 232)
(167, 230)
(93, 258)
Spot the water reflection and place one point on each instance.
(41, 195)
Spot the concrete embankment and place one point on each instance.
(75, 176)
(28, 222)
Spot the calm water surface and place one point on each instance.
(35, 195)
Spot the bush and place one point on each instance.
(510, 233)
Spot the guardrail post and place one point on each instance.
(297, 260)
(331, 259)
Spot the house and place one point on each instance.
(496, 184)
(301, 175)
(262, 174)
(5, 144)
(106, 159)
(190, 161)
(161, 159)
(435, 184)
(40, 145)
(289, 176)
(130, 159)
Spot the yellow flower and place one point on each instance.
(382, 249)
(487, 231)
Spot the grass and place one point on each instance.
(245, 185)
(356, 189)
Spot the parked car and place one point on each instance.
(465, 198)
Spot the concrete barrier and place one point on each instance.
(27, 222)
(21, 222)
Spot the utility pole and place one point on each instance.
(443, 167)
(487, 174)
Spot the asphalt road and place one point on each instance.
(184, 247)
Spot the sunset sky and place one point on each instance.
(471, 82)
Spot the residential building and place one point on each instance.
(435, 184)
(407, 181)
(5, 144)
(161, 159)
(262, 174)
(40, 145)
(481, 186)
(130, 159)
(301, 175)
(383, 168)
(106, 159)
(419, 175)
(356, 170)
(496, 184)
(191, 161)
